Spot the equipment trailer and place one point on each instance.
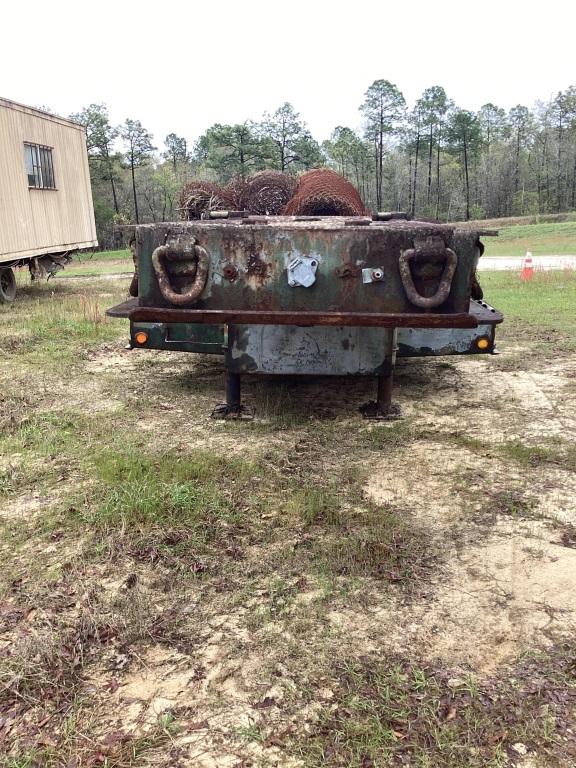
(309, 295)
(46, 211)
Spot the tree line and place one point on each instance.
(434, 159)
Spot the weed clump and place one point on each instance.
(167, 506)
(395, 713)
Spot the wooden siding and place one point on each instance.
(39, 221)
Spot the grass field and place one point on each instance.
(98, 263)
(547, 235)
(513, 221)
(548, 301)
(87, 257)
(308, 589)
(541, 239)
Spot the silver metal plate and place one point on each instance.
(302, 272)
(373, 275)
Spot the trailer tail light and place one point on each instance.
(141, 337)
(483, 343)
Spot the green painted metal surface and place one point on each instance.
(181, 337)
(249, 264)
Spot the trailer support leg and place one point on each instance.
(384, 396)
(233, 390)
(383, 407)
(232, 408)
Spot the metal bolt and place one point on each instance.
(377, 274)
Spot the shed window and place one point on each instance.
(39, 166)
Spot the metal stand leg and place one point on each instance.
(383, 407)
(232, 408)
(233, 397)
(384, 396)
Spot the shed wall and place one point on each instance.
(36, 221)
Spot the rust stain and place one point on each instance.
(348, 270)
(256, 266)
(230, 272)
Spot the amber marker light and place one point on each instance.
(141, 337)
(483, 343)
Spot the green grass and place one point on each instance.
(546, 302)
(94, 264)
(554, 451)
(317, 504)
(392, 713)
(96, 269)
(77, 748)
(548, 239)
(154, 505)
(52, 323)
(135, 489)
(562, 454)
(122, 255)
(97, 264)
(383, 543)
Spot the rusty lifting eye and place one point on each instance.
(427, 302)
(177, 252)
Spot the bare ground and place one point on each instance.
(164, 653)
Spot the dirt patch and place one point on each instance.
(163, 679)
(492, 601)
(471, 395)
(24, 507)
(505, 584)
(458, 484)
(511, 593)
(536, 397)
(219, 696)
(421, 476)
(555, 490)
(110, 358)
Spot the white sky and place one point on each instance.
(182, 66)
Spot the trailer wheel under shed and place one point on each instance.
(46, 210)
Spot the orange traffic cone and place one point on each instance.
(527, 272)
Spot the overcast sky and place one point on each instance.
(182, 66)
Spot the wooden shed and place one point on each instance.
(46, 209)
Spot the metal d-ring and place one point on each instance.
(181, 252)
(427, 302)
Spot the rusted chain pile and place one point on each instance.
(268, 192)
(198, 197)
(324, 193)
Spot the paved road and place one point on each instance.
(515, 262)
